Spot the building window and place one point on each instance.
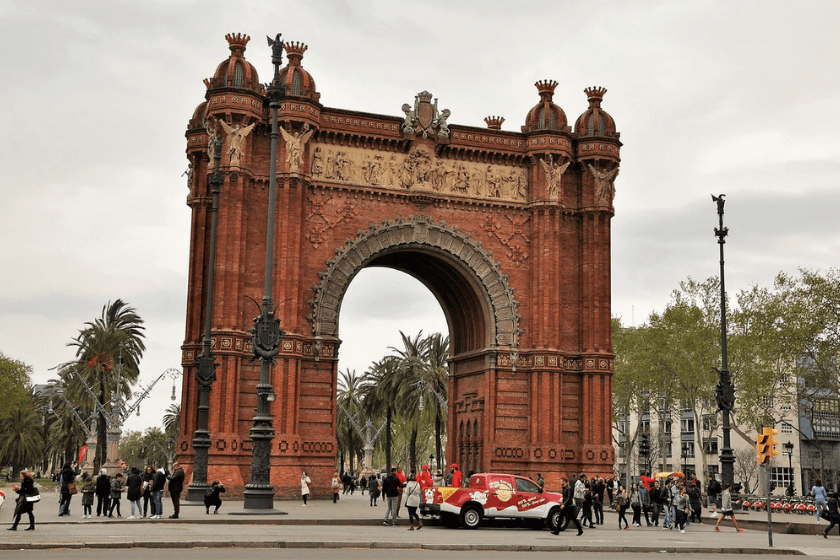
(238, 75)
(688, 449)
(782, 477)
(786, 428)
(710, 446)
(768, 401)
(709, 423)
(826, 422)
(687, 425)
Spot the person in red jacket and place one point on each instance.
(648, 481)
(425, 478)
(456, 476)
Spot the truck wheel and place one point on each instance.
(554, 518)
(470, 517)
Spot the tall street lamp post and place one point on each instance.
(206, 365)
(789, 452)
(259, 493)
(725, 390)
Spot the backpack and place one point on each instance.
(210, 492)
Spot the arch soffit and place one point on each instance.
(416, 230)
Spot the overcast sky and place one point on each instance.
(741, 98)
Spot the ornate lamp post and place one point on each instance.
(789, 452)
(206, 365)
(259, 493)
(725, 391)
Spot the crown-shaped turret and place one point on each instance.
(494, 123)
(545, 115)
(237, 43)
(595, 121)
(546, 89)
(298, 82)
(236, 72)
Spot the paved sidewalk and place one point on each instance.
(353, 523)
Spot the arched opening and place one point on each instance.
(381, 306)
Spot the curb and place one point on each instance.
(98, 545)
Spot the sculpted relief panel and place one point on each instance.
(420, 169)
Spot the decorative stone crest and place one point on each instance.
(424, 119)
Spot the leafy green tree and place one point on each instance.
(172, 421)
(21, 437)
(15, 379)
(108, 353)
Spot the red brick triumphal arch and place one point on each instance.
(509, 230)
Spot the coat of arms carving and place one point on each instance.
(424, 119)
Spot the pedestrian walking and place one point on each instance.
(696, 503)
(391, 487)
(373, 489)
(621, 503)
(726, 509)
(67, 486)
(713, 490)
(682, 508)
(820, 498)
(336, 486)
(569, 512)
(25, 503)
(832, 515)
(412, 501)
(305, 481)
(598, 490)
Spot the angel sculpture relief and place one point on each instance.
(236, 135)
(553, 172)
(294, 147)
(604, 187)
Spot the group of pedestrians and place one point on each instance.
(143, 490)
(676, 500)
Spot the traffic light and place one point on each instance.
(766, 445)
(644, 445)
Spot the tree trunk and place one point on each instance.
(388, 440)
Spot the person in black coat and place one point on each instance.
(569, 514)
(176, 486)
(103, 493)
(66, 476)
(134, 486)
(22, 505)
(148, 476)
(212, 497)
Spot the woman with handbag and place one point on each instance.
(27, 496)
(305, 481)
(68, 488)
(683, 508)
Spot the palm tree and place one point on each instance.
(378, 393)
(348, 399)
(411, 366)
(21, 438)
(436, 377)
(108, 352)
(172, 421)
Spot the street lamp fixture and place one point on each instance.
(789, 452)
(725, 390)
(259, 493)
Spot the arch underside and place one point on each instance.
(478, 301)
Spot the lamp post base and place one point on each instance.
(196, 490)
